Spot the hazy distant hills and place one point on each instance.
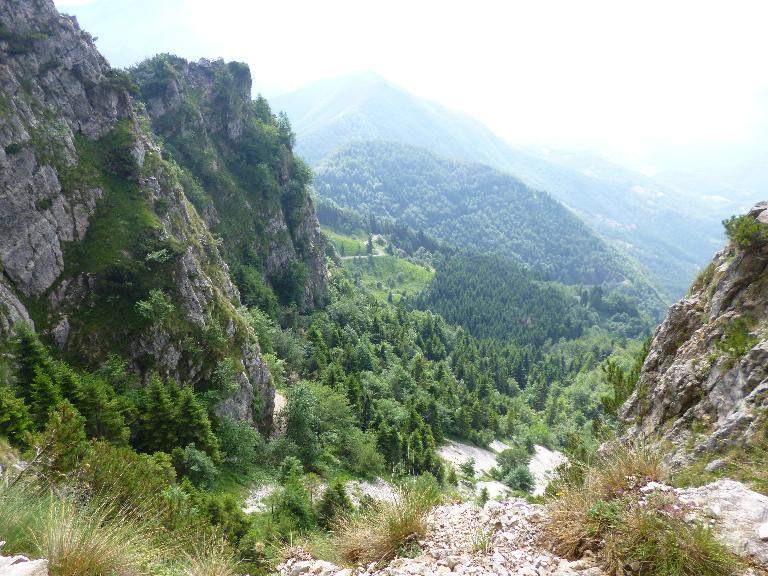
(475, 206)
(665, 229)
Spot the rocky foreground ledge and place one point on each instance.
(503, 538)
(500, 538)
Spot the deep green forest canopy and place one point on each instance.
(497, 298)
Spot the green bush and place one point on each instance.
(745, 231)
(195, 465)
(519, 478)
(156, 308)
(737, 339)
(334, 503)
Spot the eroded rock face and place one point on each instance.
(53, 85)
(57, 91)
(704, 384)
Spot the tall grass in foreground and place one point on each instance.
(83, 536)
(387, 528)
(90, 539)
(214, 559)
(601, 508)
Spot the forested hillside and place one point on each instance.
(496, 298)
(473, 206)
(137, 376)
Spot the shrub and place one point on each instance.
(468, 468)
(745, 231)
(383, 530)
(520, 478)
(293, 509)
(240, 443)
(195, 465)
(737, 339)
(156, 308)
(601, 509)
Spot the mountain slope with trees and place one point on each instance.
(664, 227)
(474, 206)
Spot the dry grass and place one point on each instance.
(600, 508)
(92, 539)
(384, 531)
(215, 558)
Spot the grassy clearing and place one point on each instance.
(600, 508)
(387, 529)
(388, 274)
(347, 245)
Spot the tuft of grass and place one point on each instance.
(214, 558)
(387, 529)
(78, 536)
(92, 540)
(663, 545)
(703, 278)
(599, 507)
(482, 539)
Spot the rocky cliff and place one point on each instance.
(704, 384)
(253, 190)
(100, 247)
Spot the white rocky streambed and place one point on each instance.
(542, 465)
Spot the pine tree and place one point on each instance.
(64, 440)
(334, 503)
(43, 396)
(192, 425)
(156, 431)
(15, 422)
(30, 355)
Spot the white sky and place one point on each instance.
(629, 78)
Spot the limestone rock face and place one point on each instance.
(738, 514)
(205, 109)
(704, 383)
(53, 85)
(57, 95)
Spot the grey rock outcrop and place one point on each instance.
(704, 384)
(738, 514)
(22, 566)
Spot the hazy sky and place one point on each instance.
(635, 79)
